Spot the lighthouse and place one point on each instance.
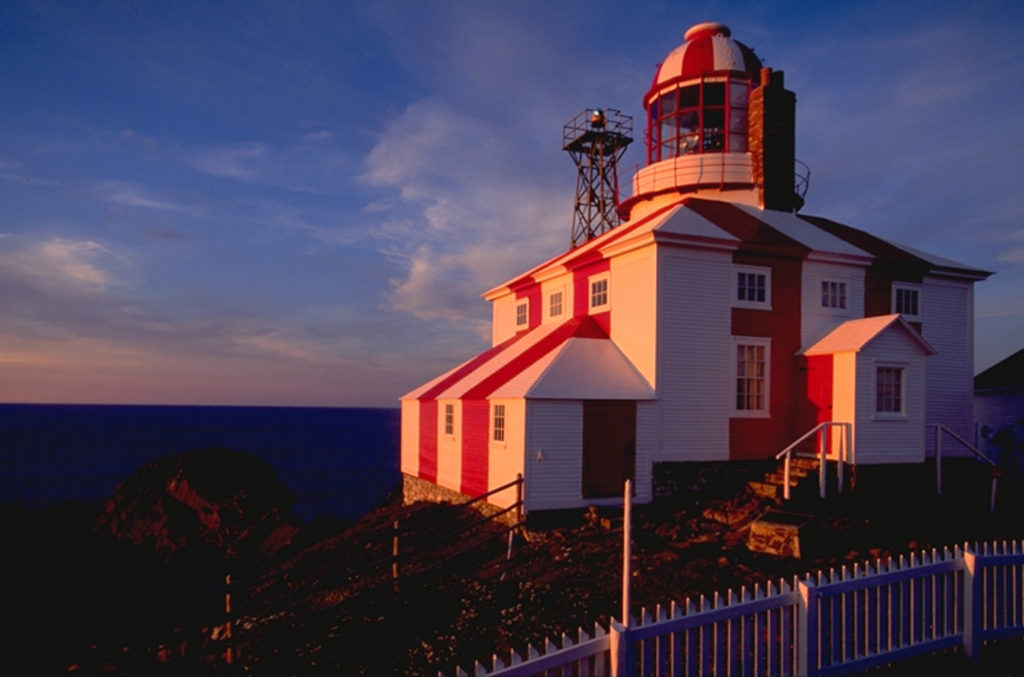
(712, 322)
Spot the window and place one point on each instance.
(522, 313)
(906, 300)
(499, 423)
(752, 376)
(833, 294)
(753, 287)
(889, 390)
(599, 292)
(449, 419)
(555, 304)
(707, 117)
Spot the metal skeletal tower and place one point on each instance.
(596, 140)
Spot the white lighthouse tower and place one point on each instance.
(712, 324)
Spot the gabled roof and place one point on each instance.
(904, 257)
(1007, 373)
(569, 360)
(582, 368)
(851, 336)
(702, 222)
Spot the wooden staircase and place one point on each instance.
(800, 468)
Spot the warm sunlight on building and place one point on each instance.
(715, 323)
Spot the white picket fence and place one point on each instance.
(833, 623)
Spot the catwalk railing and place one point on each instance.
(833, 623)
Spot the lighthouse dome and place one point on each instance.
(707, 48)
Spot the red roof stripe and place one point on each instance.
(468, 368)
(746, 227)
(578, 327)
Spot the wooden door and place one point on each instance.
(609, 446)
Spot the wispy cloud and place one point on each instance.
(58, 265)
(307, 162)
(460, 223)
(130, 194)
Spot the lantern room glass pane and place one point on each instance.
(738, 94)
(689, 97)
(668, 103)
(714, 94)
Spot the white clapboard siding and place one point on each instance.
(887, 440)
(695, 357)
(947, 323)
(554, 453)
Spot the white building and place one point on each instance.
(714, 324)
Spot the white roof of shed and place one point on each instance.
(581, 368)
(851, 336)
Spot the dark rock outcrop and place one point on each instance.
(206, 504)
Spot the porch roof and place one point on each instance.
(851, 336)
(572, 360)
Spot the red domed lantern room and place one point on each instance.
(718, 121)
(698, 100)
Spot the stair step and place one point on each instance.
(804, 463)
(779, 479)
(766, 489)
(794, 471)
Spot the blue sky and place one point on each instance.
(299, 203)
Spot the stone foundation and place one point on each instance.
(415, 489)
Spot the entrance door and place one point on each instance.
(609, 446)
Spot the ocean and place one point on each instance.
(339, 462)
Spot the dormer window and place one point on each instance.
(522, 313)
(599, 293)
(555, 304)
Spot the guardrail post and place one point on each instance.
(973, 611)
(822, 467)
(785, 477)
(807, 631)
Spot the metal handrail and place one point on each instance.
(844, 454)
(939, 429)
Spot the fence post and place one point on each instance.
(519, 499)
(621, 649)
(627, 518)
(807, 631)
(973, 606)
(229, 654)
(938, 460)
(394, 552)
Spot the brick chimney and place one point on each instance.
(772, 142)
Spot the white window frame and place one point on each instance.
(499, 415)
(523, 317)
(759, 341)
(901, 369)
(844, 285)
(591, 282)
(560, 293)
(737, 302)
(448, 419)
(916, 289)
